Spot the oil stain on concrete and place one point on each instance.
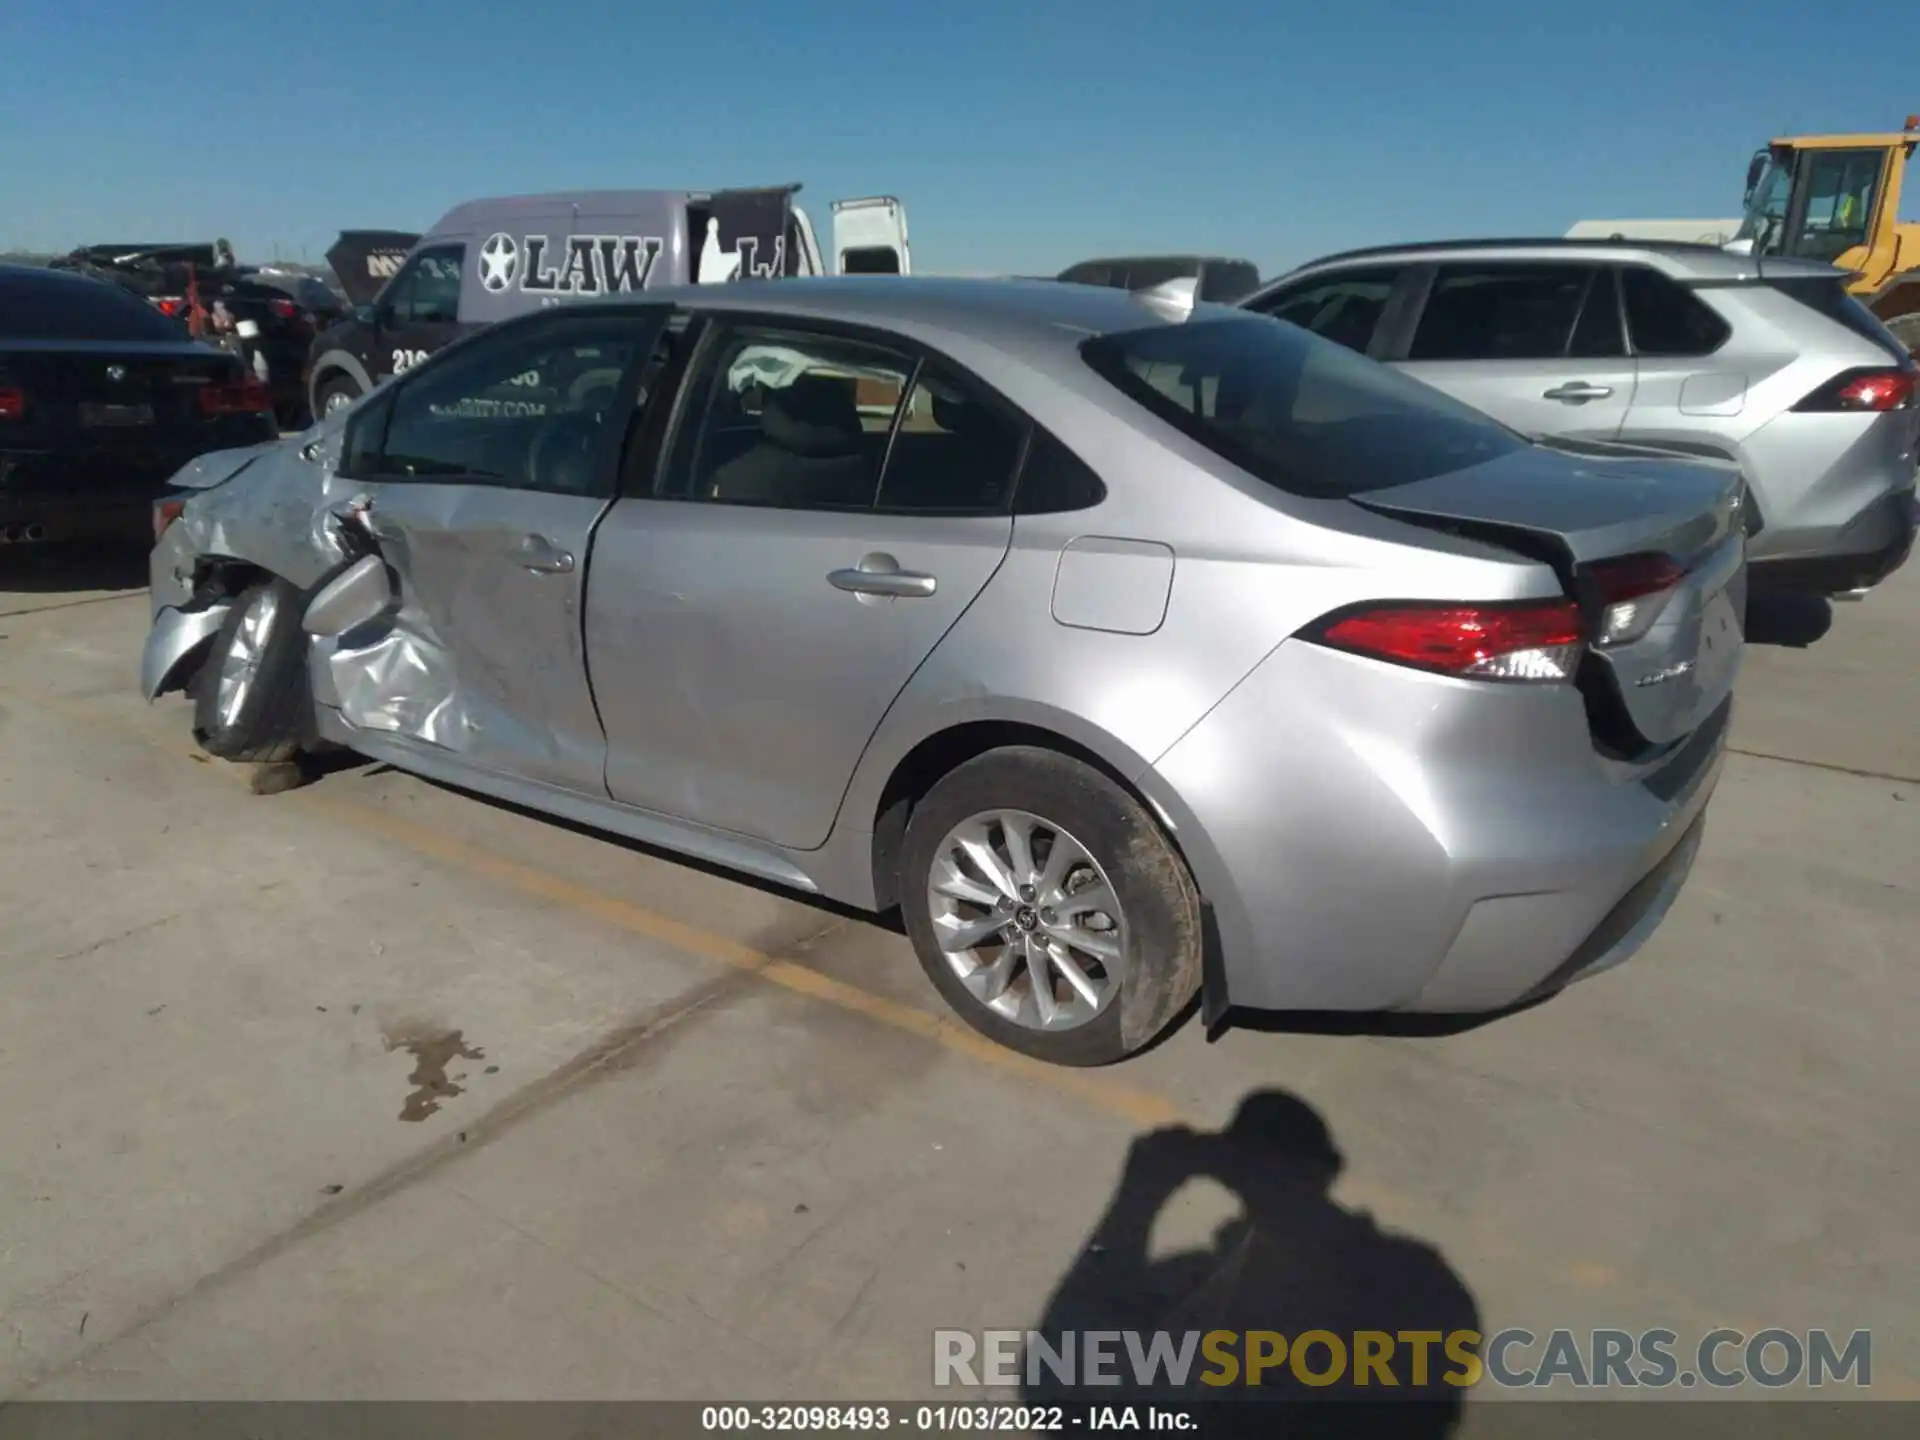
(434, 1048)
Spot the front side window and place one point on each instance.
(1502, 312)
(1765, 222)
(793, 420)
(1345, 309)
(1841, 188)
(1308, 417)
(522, 408)
(428, 290)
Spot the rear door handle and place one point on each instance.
(879, 574)
(540, 555)
(1578, 392)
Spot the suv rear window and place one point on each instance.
(1305, 415)
(1831, 299)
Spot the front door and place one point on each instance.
(810, 541)
(493, 467)
(1538, 346)
(418, 314)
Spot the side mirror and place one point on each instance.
(359, 593)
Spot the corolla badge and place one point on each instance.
(1660, 677)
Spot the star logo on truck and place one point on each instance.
(499, 262)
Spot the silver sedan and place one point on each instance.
(1132, 655)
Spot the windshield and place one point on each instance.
(1765, 222)
(1303, 414)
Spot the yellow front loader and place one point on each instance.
(1836, 198)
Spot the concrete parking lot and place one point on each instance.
(373, 1089)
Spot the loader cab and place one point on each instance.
(1830, 198)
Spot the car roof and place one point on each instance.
(48, 275)
(1679, 259)
(1014, 314)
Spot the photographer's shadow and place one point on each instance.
(1293, 1261)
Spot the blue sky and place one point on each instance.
(1022, 136)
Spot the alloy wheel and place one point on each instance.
(1027, 919)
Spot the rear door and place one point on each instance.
(870, 237)
(808, 542)
(487, 473)
(1537, 345)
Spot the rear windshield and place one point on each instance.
(1831, 299)
(56, 307)
(1301, 413)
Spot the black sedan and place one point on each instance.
(102, 399)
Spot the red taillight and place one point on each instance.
(1868, 390)
(245, 396)
(165, 512)
(1632, 591)
(1519, 640)
(285, 309)
(174, 305)
(13, 403)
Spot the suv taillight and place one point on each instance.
(1869, 390)
(1525, 640)
(13, 402)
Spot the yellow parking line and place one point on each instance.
(1141, 1107)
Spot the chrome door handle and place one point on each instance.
(1578, 392)
(540, 555)
(881, 575)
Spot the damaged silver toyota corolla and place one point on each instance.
(1129, 654)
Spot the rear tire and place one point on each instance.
(250, 698)
(334, 392)
(1065, 985)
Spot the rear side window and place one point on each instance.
(1091, 272)
(1831, 299)
(1502, 312)
(1226, 282)
(1145, 274)
(1345, 308)
(1054, 480)
(1306, 416)
(1664, 319)
(45, 306)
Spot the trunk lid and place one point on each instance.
(1580, 513)
(109, 395)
